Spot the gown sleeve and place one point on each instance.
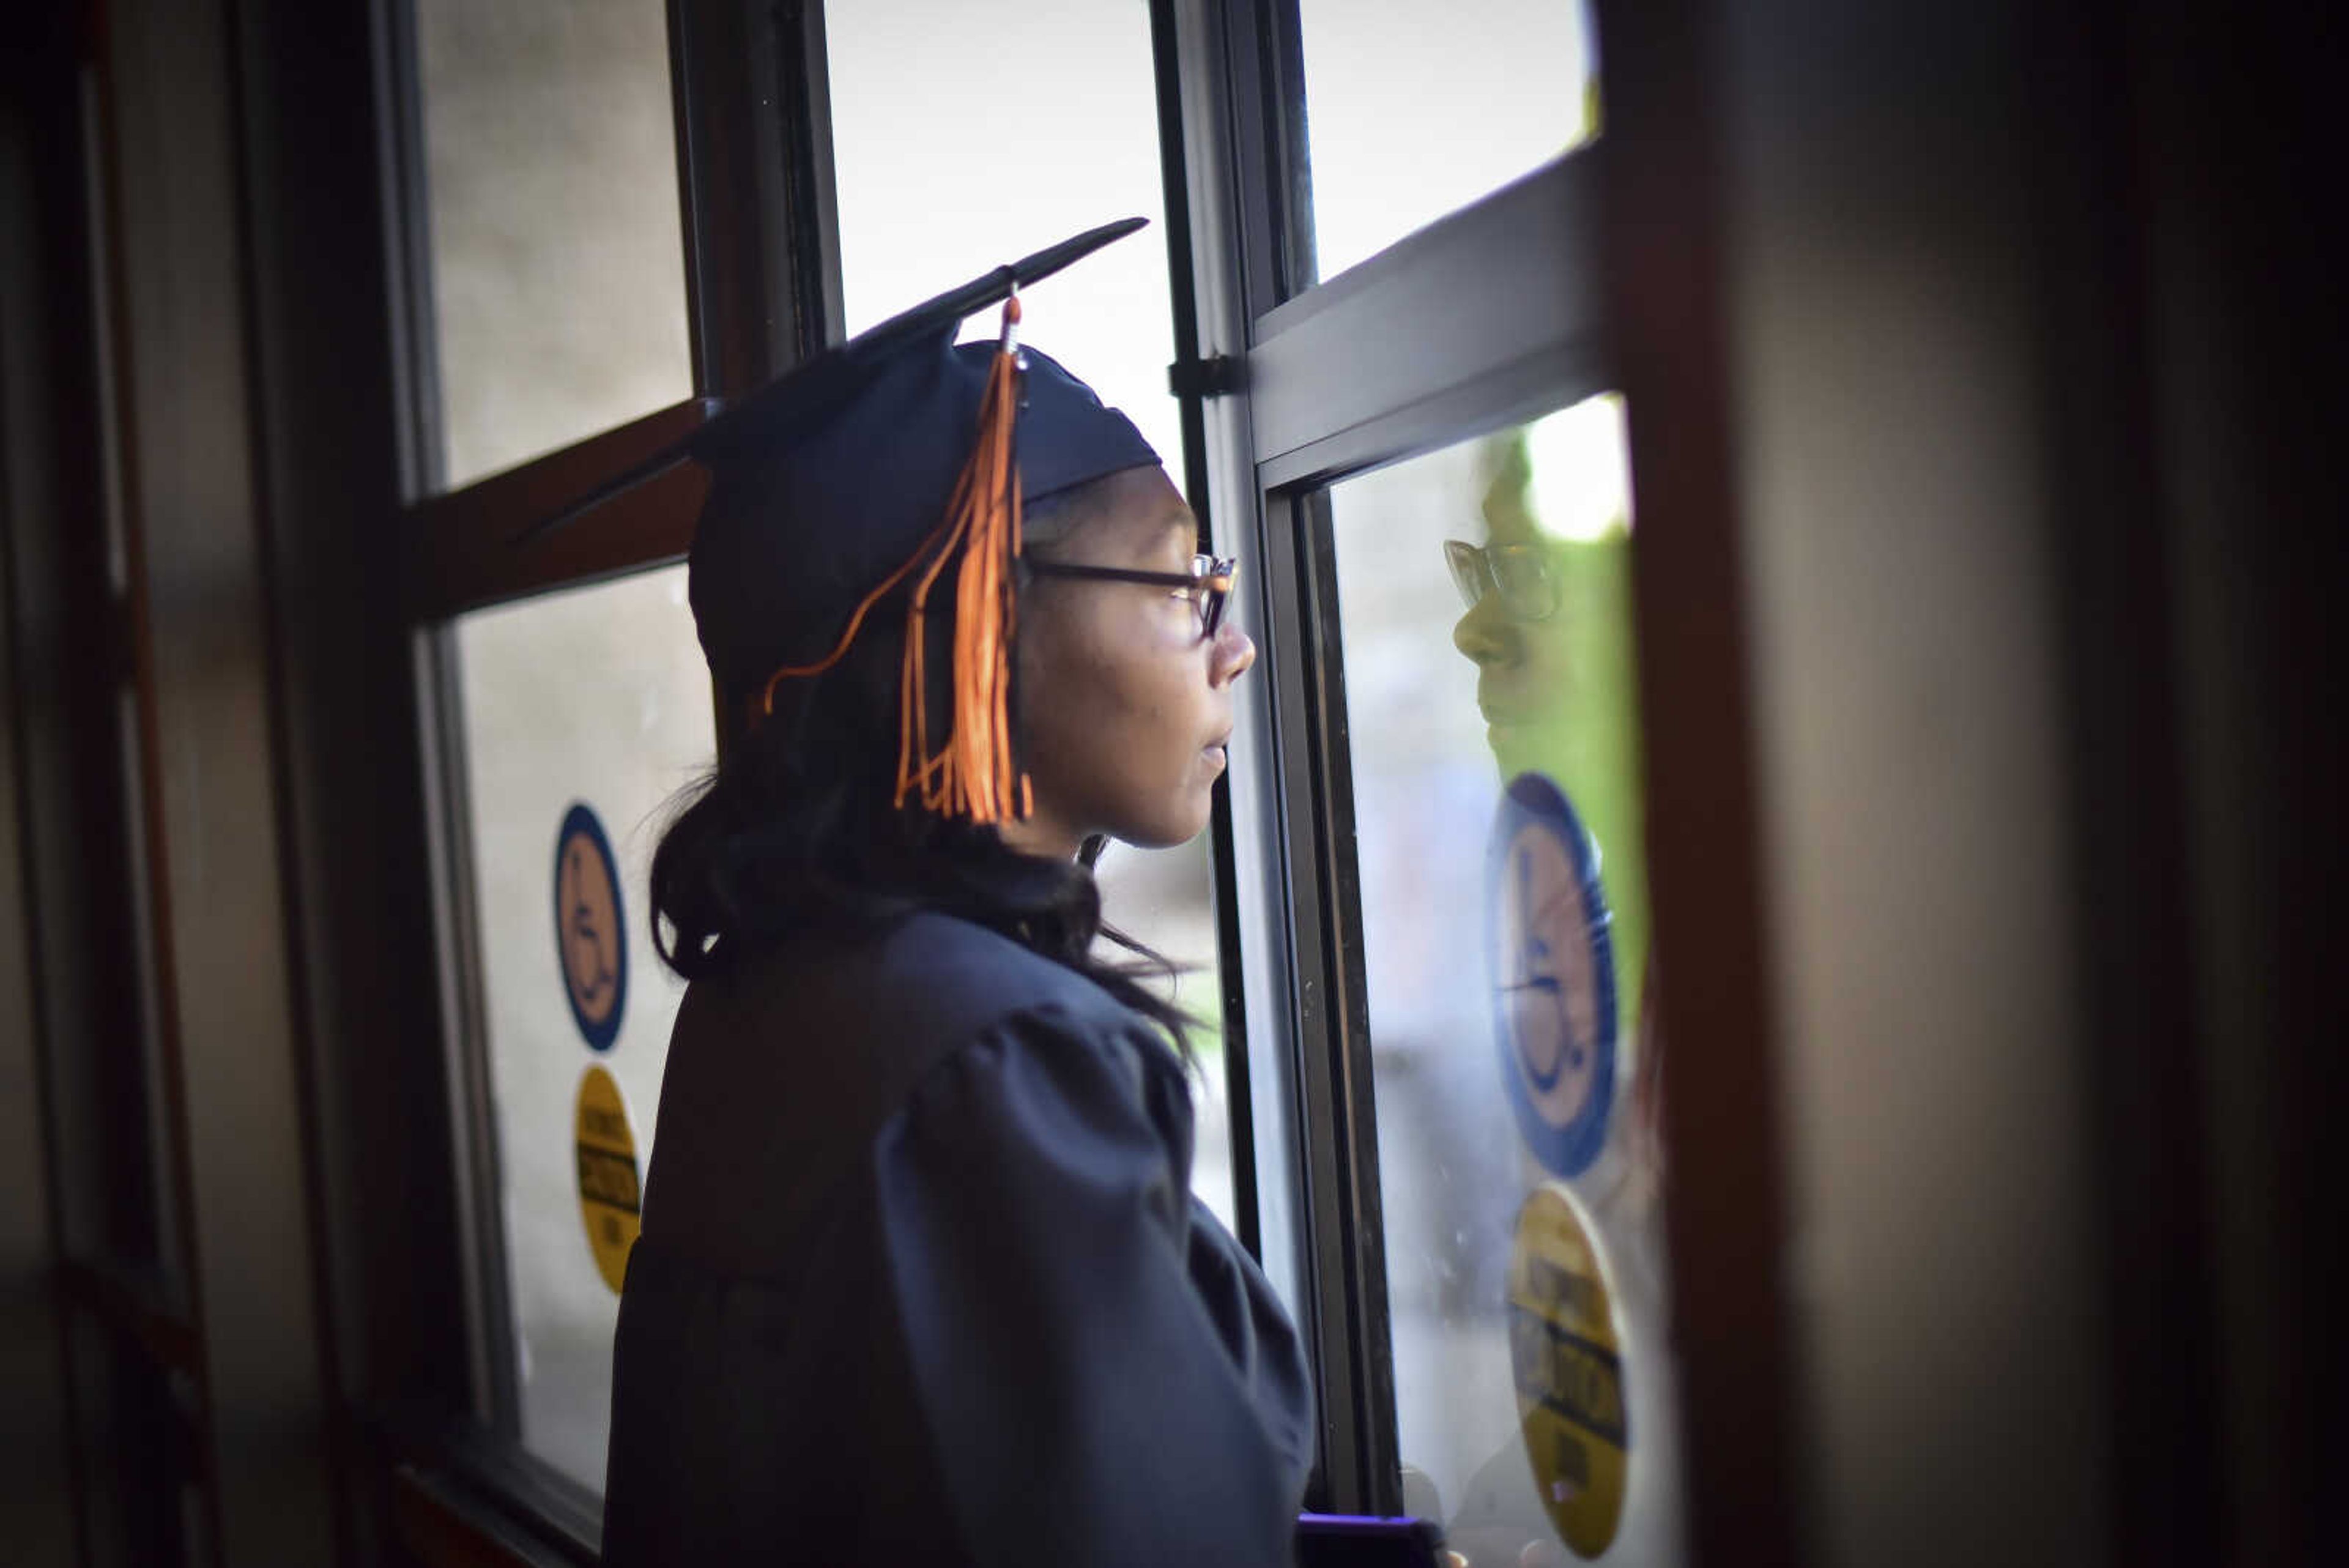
(1104, 1376)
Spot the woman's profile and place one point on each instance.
(920, 1279)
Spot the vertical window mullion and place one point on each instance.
(409, 227)
(1243, 134)
(1337, 1184)
(754, 180)
(1337, 1152)
(1342, 1037)
(1190, 388)
(811, 207)
(495, 1380)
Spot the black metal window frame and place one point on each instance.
(1485, 317)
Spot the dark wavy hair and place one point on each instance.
(796, 834)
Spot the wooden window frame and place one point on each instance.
(761, 293)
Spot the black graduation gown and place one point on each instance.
(921, 1281)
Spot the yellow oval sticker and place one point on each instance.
(1566, 1357)
(609, 1191)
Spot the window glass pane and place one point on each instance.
(1166, 898)
(558, 271)
(1497, 785)
(950, 158)
(965, 136)
(1413, 110)
(593, 697)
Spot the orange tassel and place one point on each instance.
(972, 774)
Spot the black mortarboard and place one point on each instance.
(847, 476)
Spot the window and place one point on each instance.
(1419, 932)
(1483, 1281)
(567, 695)
(554, 336)
(1413, 112)
(948, 165)
(550, 175)
(584, 712)
(945, 169)
(1484, 589)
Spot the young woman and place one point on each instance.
(920, 1279)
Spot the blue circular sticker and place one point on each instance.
(1553, 974)
(590, 927)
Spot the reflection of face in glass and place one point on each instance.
(1551, 993)
(1512, 631)
(1549, 628)
(591, 930)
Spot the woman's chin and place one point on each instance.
(1179, 823)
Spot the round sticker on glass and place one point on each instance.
(609, 1192)
(590, 927)
(1566, 1356)
(1553, 975)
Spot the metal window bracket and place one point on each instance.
(1219, 375)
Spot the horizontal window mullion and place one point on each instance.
(469, 1496)
(1523, 390)
(1502, 291)
(462, 550)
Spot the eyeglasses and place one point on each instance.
(1208, 585)
(1516, 572)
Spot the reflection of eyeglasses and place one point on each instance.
(1207, 585)
(1516, 572)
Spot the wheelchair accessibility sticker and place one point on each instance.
(610, 1194)
(590, 927)
(1553, 975)
(1567, 1356)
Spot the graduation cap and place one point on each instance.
(897, 460)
